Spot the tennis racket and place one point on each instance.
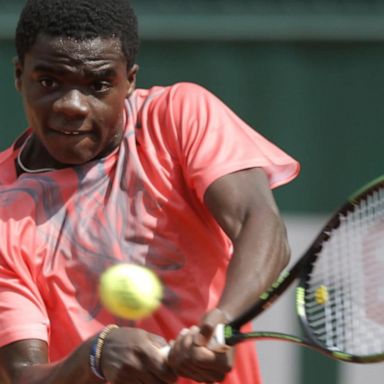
(340, 286)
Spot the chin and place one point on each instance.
(73, 160)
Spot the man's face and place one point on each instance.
(73, 94)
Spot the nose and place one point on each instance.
(73, 103)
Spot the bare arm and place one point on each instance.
(26, 361)
(244, 207)
(129, 355)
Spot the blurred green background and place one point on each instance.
(307, 74)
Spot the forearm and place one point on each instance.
(122, 354)
(244, 207)
(74, 369)
(261, 251)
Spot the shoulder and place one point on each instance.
(178, 91)
(190, 91)
(188, 88)
(11, 149)
(176, 102)
(7, 161)
(190, 100)
(6, 156)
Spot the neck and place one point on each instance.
(28, 162)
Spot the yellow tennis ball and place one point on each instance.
(130, 291)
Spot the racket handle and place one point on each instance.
(216, 343)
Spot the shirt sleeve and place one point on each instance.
(22, 310)
(213, 141)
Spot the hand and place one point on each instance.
(190, 355)
(133, 355)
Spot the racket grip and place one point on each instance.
(216, 343)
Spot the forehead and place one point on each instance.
(68, 51)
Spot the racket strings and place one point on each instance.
(344, 296)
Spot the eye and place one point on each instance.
(101, 86)
(47, 82)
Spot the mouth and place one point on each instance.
(69, 133)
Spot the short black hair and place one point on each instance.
(80, 20)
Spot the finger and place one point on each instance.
(218, 363)
(200, 358)
(202, 375)
(192, 372)
(185, 338)
(157, 341)
(198, 363)
(208, 325)
(147, 378)
(146, 375)
(156, 364)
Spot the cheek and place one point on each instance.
(33, 115)
(35, 110)
(112, 118)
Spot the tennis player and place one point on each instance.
(168, 177)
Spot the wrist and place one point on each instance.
(96, 351)
(218, 315)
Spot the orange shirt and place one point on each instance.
(142, 204)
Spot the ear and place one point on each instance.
(18, 71)
(131, 79)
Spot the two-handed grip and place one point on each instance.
(216, 343)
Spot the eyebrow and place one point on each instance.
(101, 73)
